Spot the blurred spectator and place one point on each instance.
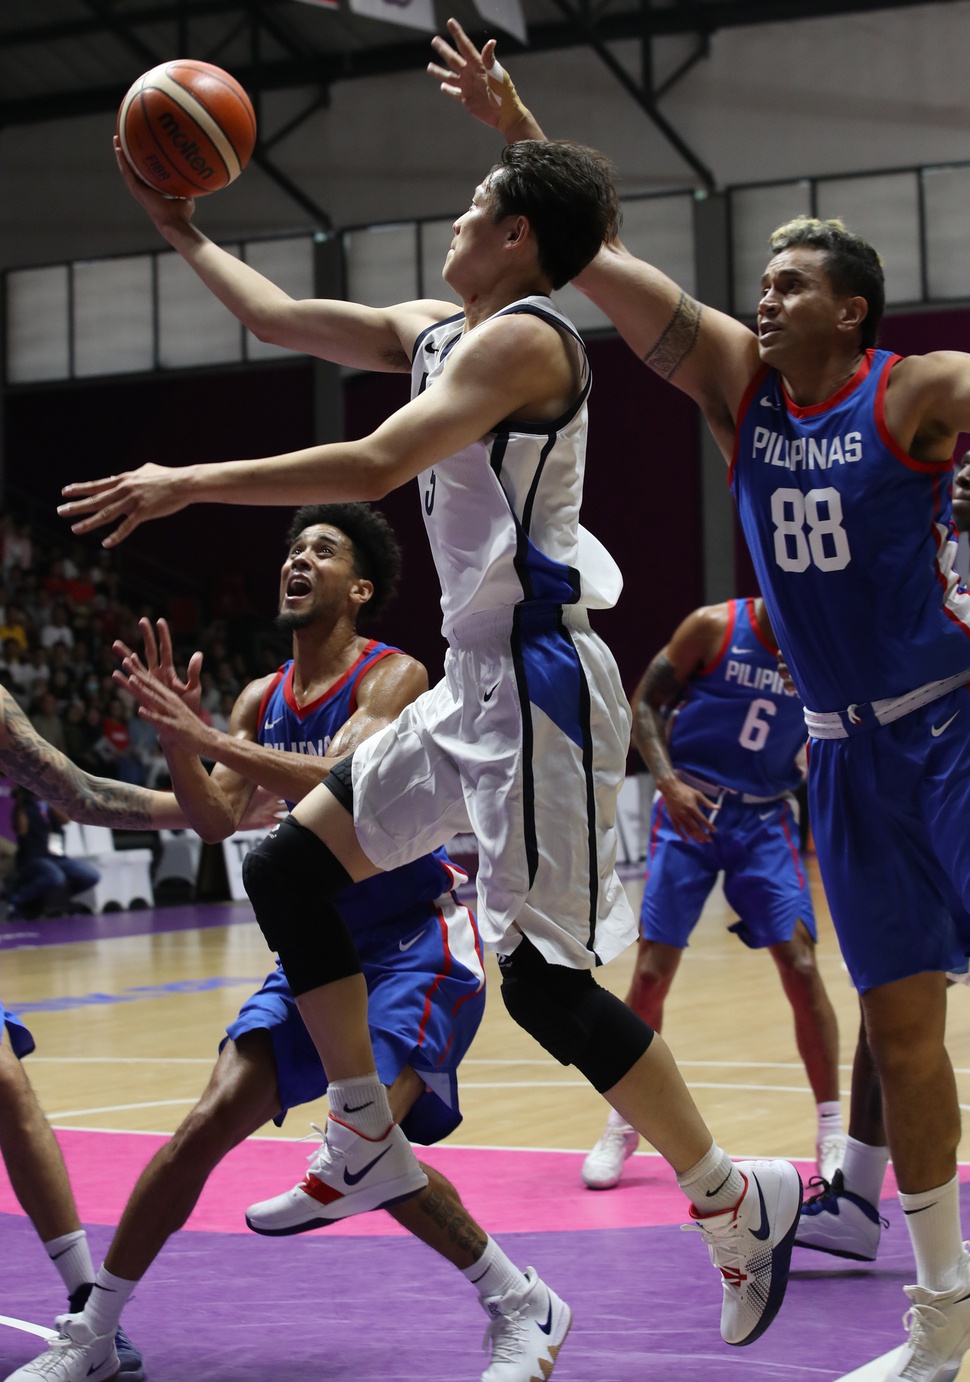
(18, 669)
(116, 732)
(42, 881)
(35, 671)
(18, 548)
(48, 722)
(14, 626)
(58, 630)
(147, 759)
(211, 695)
(220, 716)
(55, 581)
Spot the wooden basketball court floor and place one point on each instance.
(127, 1011)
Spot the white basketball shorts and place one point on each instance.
(525, 743)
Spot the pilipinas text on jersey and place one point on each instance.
(738, 725)
(852, 541)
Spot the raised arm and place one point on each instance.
(215, 804)
(659, 690)
(705, 353)
(345, 332)
(32, 762)
(507, 366)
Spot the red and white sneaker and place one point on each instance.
(751, 1245)
(349, 1174)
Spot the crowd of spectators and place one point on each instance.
(61, 610)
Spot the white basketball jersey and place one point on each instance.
(503, 514)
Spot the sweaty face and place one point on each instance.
(961, 494)
(799, 310)
(316, 577)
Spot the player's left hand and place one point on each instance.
(176, 725)
(265, 810)
(151, 491)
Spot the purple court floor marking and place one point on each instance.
(237, 1308)
(21, 935)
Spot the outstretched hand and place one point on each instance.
(478, 80)
(162, 209)
(151, 491)
(159, 663)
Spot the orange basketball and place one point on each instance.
(187, 128)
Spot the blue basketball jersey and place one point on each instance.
(285, 725)
(737, 726)
(852, 542)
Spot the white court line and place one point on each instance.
(871, 1372)
(27, 1327)
(470, 1060)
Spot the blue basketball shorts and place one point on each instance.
(889, 809)
(425, 1000)
(756, 848)
(20, 1038)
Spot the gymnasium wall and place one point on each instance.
(642, 490)
(841, 94)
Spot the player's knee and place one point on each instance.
(292, 879)
(572, 1017)
(656, 965)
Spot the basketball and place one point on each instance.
(187, 128)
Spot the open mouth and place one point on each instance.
(297, 586)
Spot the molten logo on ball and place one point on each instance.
(187, 127)
(187, 147)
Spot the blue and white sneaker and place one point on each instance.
(751, 1245)
(131, 1365)
(837, 1222)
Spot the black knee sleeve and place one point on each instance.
(340, 781)
(568, 1013)
(292, 879)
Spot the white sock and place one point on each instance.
(829, 1119)
(106, 1302)
(933, 1220)
(616, 1120)
(361, 1102)
(494, 1274)
(864, 1169)
(71, 1256)
(715, 1182)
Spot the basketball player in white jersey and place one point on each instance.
(840, 457)
(526, 737)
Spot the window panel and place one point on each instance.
(38, 302)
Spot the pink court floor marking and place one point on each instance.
(515, 1191)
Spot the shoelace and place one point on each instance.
(505, 1333)
(321, 1157)
(723, 1246)
(920, 1324)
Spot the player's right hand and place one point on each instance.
(690, 811)
(163, 210)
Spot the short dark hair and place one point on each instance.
(851, 263)
(567, 194)
(377, 557)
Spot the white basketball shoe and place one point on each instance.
(525, 1332)
(603, 1166)
(349, 1174)
(939, 1334)
(73, 1355)
(751, 1246)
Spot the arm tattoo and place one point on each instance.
(37, 765)
(678, 338)
(661, 691)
